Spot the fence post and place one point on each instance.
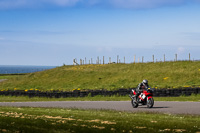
(103, 60)
(109, 60)
(98, 60)
(80, 61)
(134, 58)
(85, 61)
(189, 56)
(91, 61)
(176, 57)
(164, 57)
(117, 59)
(153, 58)
(142, 59)
(74, 61)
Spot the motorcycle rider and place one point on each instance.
(141, 86)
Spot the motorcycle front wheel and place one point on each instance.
(150, 103)
(134, 103)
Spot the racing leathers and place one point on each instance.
(140, 88)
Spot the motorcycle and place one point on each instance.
(145, 98)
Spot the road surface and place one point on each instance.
(162, 107)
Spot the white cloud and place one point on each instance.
(104, 49)
(92, 2)
(133, 4)
(180, 50)
(15, 4)
(62, 2)
(138, 4)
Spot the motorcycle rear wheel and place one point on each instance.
(134, 103)
(150, 103)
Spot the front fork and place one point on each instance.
(149, 98)
(131, 96)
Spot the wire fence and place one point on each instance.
(98, 60)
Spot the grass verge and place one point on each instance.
(194, 98)
(109, 76)
(100, 121)
(10, 76)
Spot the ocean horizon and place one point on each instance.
(19, 69)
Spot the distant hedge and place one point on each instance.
(92, 93)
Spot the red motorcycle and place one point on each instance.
(145, 98)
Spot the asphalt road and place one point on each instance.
(163, 107)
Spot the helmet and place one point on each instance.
(145, 81)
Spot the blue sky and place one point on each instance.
(53, 32)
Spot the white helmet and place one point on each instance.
(145, 81)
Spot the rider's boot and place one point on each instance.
(137, 97)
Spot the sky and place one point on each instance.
(54, 32)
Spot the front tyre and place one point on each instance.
(150, 103)
(134, 103)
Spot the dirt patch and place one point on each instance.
(1, 80)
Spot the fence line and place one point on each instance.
(99, 61)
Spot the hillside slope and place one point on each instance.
(109, 76)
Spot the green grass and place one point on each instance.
(49, 120)
(193, 98)
(96, 98)
(10, 76)
(110, 76)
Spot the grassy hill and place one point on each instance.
(109, 76)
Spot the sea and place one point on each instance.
(19, 69)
